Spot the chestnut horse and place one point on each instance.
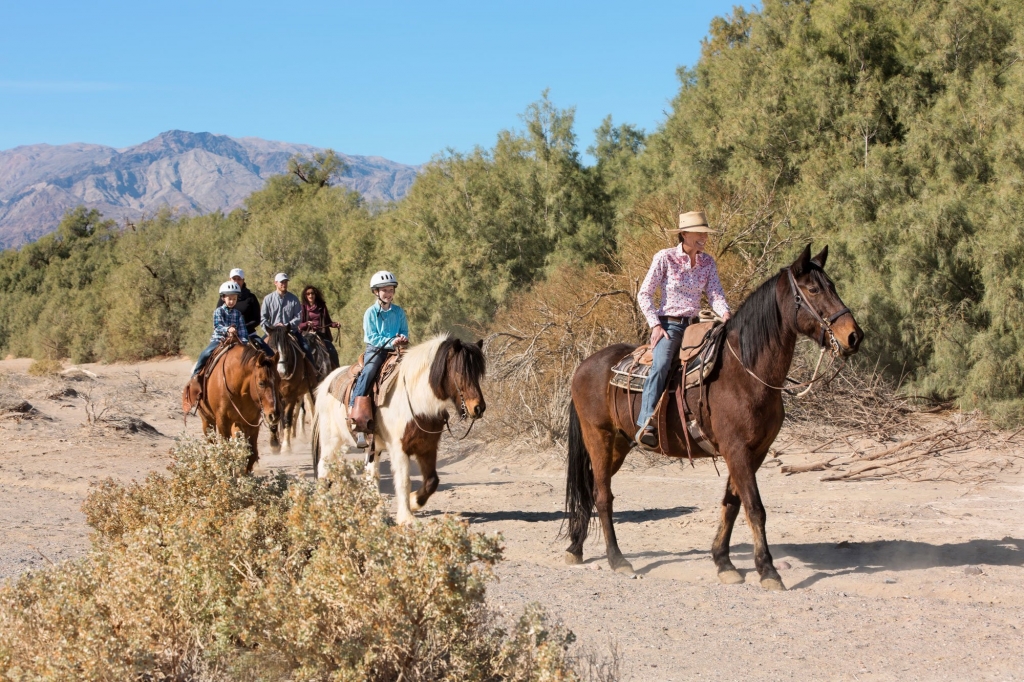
(298, 379)
(433, 377)
(240, 392)
(740, 412)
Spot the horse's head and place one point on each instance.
(455, 375)
(280, 341)
(264, 386)
(820, 313)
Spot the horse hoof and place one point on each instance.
(625, 568)
(730, 577)
(414, 503)
(573, 559)
(773, 584)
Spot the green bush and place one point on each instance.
(209, 574)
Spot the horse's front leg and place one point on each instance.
(400, 476)
(252, 435)
(727, 573)
(428, 467)
(744, 479)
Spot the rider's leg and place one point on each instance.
(372, 361)
(664, 357)
(204, 356)
(332, 352)
(305, 347)
(262, 345)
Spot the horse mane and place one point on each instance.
(758, 321)
(251, 354)
(467, 359)
(279, 338)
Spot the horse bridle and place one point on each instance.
(263, 412)
(463, 412)
(825, 325)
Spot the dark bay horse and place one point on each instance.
(240, 392)
(298, 379)
(433, 377)
(741, 411)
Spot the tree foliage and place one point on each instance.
(890, 129)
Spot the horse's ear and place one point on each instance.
(274, 358)
(456, 344)
(799, 266)
(820, 259)
(480, 344)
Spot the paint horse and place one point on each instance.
(433, 377)
(740, 412)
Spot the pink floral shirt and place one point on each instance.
(680, 286)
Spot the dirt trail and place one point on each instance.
(887, 580)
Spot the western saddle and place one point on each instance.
(698, 357)
(341, 389)
(195, 389)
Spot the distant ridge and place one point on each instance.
(192, 172)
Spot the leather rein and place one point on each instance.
(826, 333)
(263, 416)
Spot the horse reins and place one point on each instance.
(825, 326)
(231, 400)
(464, 412)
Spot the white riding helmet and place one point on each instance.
(382, 279)
(229, 288)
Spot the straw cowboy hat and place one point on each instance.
(694, 221)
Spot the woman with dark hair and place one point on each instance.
(316, 320)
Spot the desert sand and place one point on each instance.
(887, 579)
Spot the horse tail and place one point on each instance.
(315, 444)
(579, 483)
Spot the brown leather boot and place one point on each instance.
(361, 413)
(191, 395)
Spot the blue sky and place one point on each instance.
(403, 80)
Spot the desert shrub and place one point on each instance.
(206, 573)
(43, 368)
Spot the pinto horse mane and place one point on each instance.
(467, 360)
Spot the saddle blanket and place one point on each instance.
(698, 354)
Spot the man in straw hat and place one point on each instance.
(681, 275)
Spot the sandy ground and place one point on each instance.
(887, 579)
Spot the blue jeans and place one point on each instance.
(373, 358)
(261, 344)
(666, 354)
(204, 356)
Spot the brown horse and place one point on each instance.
(240, 392)
(298, 379)
(740, 412)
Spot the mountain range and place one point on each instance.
(190, 172)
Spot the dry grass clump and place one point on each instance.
(208, 574)
(856, 399)
(45, 368)
(541, 338)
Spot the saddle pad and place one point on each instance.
(698, 353)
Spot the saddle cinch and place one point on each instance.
(698, 356)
